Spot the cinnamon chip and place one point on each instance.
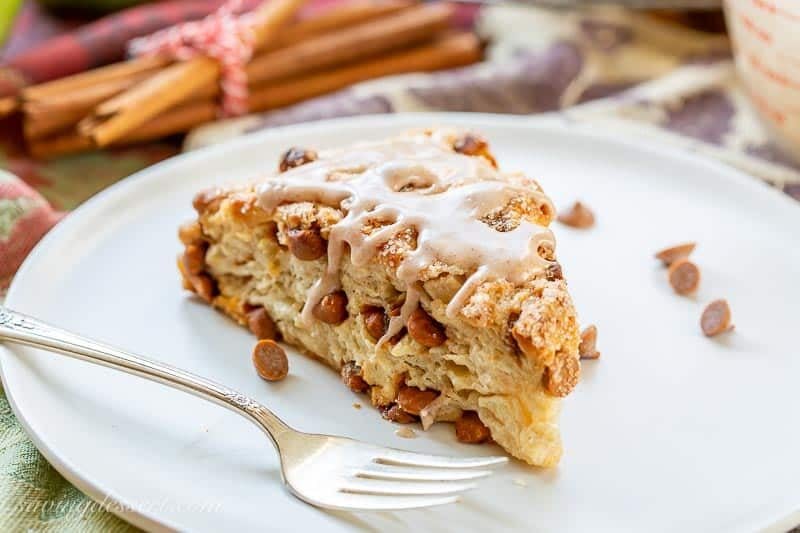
(577, 216)
(375, 321)
(471, 430)
(207, 200)
(332, 308)
(306, 244)
(204, 286)
(396, 414)
(191, 233)
(425, 330)
(261, 324)
(201, 283)
(475, 145)
(675, 253)
(351, 376)
(587, 349)
(194, 259)
(684, 276)
(716, 318)
(295, 157)
(413, 400)
(553, 272)
(270, 360)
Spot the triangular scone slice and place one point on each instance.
(416, 268)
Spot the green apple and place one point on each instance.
(8, 8)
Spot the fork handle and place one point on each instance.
(22, 329)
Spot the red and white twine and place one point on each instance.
(223, 36)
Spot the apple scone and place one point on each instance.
(422, 273)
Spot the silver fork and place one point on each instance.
(323, 470)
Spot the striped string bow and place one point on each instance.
(223, 36)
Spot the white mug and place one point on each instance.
(766, 40)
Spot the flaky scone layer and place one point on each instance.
(508, 354)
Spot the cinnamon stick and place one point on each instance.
(171, 86)
(56, 106)
(97, 43)
(68, 143)
(177, 120)
(78, 82)
(59, 111)
(446, 52)
(8, 105)
(371, 38)
(336, 18)
(270, 17)
(329, 49)
(328, 20)
(127, 111)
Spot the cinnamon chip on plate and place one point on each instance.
(716, 318)
(684, 276)
(587, 349)
(577, 216)
(270, 360)
(675, 253)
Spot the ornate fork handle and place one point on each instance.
(22, 329)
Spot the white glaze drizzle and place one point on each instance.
(449, 194)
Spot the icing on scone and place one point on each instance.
(416, 183)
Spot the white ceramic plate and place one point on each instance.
(668, 431)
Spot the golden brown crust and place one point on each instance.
(508, 355)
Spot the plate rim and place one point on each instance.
(94, 489)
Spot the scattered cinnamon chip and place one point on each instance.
(675, 253)
(587, 349)
(270, 360)
(684, 276)
(577, 216)
(716, 318)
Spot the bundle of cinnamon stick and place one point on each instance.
(152, 96)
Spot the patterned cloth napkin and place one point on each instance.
(622, 71)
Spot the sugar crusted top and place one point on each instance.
(417, 183)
